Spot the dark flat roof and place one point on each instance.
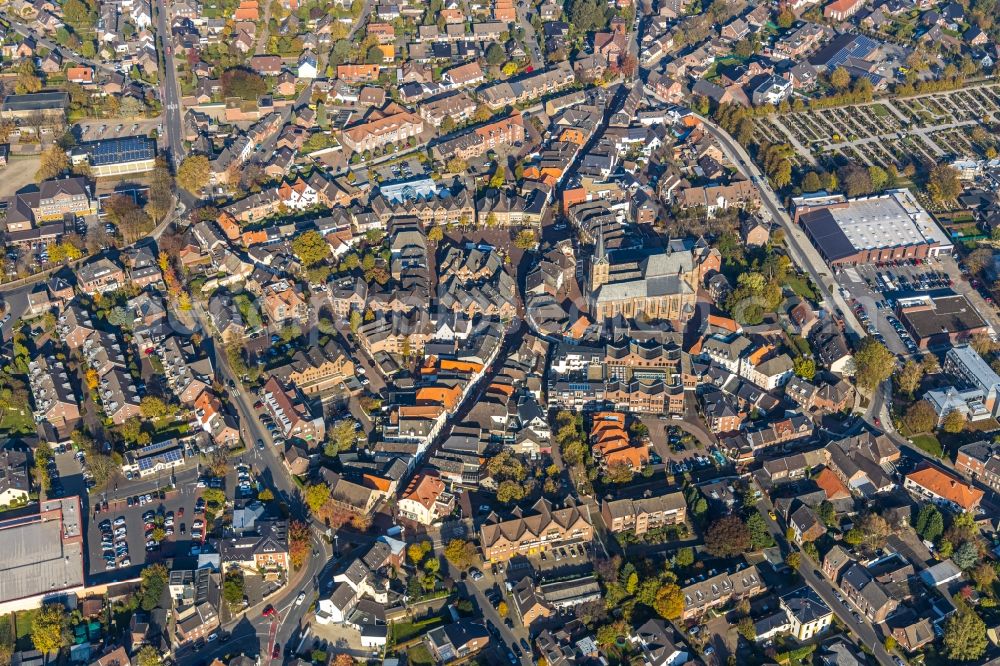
(42, 101)
(827, 235)
(949, 314)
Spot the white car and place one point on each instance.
(299, 599)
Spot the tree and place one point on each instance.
(878, 177)
(418, 551)
(232, 589)
(311, 248)
(982, 342)
(984, 575)
(510, 491)
(827, 513)
(908, 377)
(793, 560)
(460, 553)
(152, 407)
(299, 544)
(49, 629)
(344, 659)
(976, 262)
(746, 628)
(943, 183)
(920, 524)
(840, 79)
(786, 18)
(619, 472)
(526, 240)
(374, 55)
(243, 83)
(920, 417)
(669, 602)
(875, 529)
(317, 496)
(684, 557)
(435, 234)
(889, 643)
(265, 495)
(154, 581)
(727, 537)
(499, 177)
(965, 636)
(954, 422)
(502, 609)
(53, 161)
(966, 556)
(805, 367)
(855, 180)
(588, 15)
(148, 656)
(873, 363)
(193, 173)
(759, 536)
(342, 435)
(853, 537)
(495, 54)
(935, 527)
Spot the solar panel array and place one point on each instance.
(165, 458)
(121, 150)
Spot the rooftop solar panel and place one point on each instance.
(121, 150)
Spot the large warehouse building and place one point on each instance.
(885, 227)
(42, 555)
(940, 321)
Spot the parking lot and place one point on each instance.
(873, 289)
(403, 169)
(132, 519)
(679, 450)
(110, 129)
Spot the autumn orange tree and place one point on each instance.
(298, 543)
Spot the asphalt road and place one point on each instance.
(169, 90)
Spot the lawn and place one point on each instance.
(928, 444)
(801, 286)
(418, 655)
(23, 623)
(404, 631)
(14, 422)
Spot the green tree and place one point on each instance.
(873, 363)
(965, 636)
(785, 18)
(684, 557)
(805, 367)
(495, 54)
(853, 537)
(49, 628)
(193, 173)
(935, 527)
(435, 234)
(759, 536)
(343, 434)
(588, 15)
(793, 560)
(311, 248)
(152, 585)
(374, 56)
(510, 491)
(233, 589)
(966, 556)
(827, 513)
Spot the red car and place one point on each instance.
(270, 612)
(276, 653)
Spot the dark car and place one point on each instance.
(524, 644)
(276, 653)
